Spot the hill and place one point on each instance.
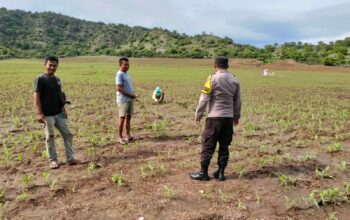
(27, 35)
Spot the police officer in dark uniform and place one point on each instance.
(222, 92)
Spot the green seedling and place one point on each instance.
(203, 194)
(45, 175)
(241, 205)
(26, 180)
(91, 168)
(347, 189)
(91, 151)
(286, 180)
(333, 148)
(342, 166)
(332, 216)
(142, 171)
(221, 194)
(6, 153)
(2, 195)
(306, 158)
(257, 197)
(169, 191)
(44, 154)
(241, 170)
(182, 164)
(22, 197)
(161, 169)
(331, 195)
(324, 173)
(288, 203)
(118, 179)
(19, 157)
(53, 185)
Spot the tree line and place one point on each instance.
(36, 35)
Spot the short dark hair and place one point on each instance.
(52, 59)
(122, 59)
(221, 62)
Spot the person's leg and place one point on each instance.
(225, 139)
(122, 115)
(62, 126)
(127, 126)
(209, 140)
(50, 137)
(120, 127)
(129, 113)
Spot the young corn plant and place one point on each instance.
(26, 180)
(241, 205)
(203, 194)
(118, 179)
(222, 195)
(333, 216)
(241, 170)
(6, 153)
(169, 192)
(258, 198)
(306, 158)
(19, 157)
(22, 197)
(331, 196)
(53, 185)
(333, 148)
(91, 168)
(45, 175)
(325, 173)
(286, 180)
(342, 166)
(182, 164)
(289, 203)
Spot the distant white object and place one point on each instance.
(266, 72)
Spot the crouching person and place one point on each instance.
(158, 95)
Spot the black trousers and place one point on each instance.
(216, 130)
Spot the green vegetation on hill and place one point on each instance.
(26, 35)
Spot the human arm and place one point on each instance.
(203, 100)
(154, 96)
(121, 79)
(37, 104)
(121, 89)
(202, 105)
(237, 104)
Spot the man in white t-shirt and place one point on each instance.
(125, 100)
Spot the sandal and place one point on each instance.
(130, 139)
(122, 142)
(54, 164)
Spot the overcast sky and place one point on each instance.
(255, 22)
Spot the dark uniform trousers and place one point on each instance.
(216, 130)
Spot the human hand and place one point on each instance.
(135, 95)
(40, 118)
(236, 122)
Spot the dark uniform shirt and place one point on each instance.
(50, 91)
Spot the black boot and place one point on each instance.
(220, 174)
(201, 175)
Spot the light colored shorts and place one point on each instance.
(126, 109)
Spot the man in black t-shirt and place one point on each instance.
(49, 105)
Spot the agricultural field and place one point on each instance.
(290, 158)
